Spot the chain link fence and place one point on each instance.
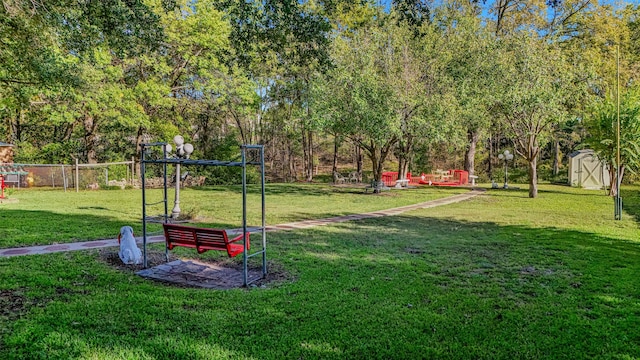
(69, 177)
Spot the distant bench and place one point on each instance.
(400, 183)
(203, 239)
(376, 185)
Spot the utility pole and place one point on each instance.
(618, 199)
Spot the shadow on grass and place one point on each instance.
(402, 286)
(579, 192)
(29, 228)
(523, 192)
(517, 193)
(631, 202)
(385, 236)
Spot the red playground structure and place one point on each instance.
(440, 178)
(2, 186)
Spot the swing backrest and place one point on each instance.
(203, 239)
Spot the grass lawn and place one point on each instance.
(501, 276)
(44, 217)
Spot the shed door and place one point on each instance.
(590, 170)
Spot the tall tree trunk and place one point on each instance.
(403, 161)
(404, 151)
(90, 139)
(359, 162)
(284, 165)
(502, 7)
(307, 145)
(469, 157)
(376, 163)
(305, 154)
(378, 155)
(238, 120)
(17, 126)
(309, 148)
(293, 171)
(556, 157)
(490, 159)
(10, 129)
(63, 132)
(531, 154)
(533, 177)
(402, 165)
(334, 169)
(613, 180)
(311, 158)
(270, 157)
(139, 138)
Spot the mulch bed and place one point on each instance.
(203, 273)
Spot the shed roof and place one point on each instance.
(580, 152)
(5, 144)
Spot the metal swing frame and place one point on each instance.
(146, 147)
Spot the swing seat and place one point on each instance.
(203, 239)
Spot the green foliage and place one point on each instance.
(127, 27)
(546, 174)
(31, 54)
(374, 99)
(414, 13)
(225, 149)
(534, 85)
(95, 79)
(602, 127)
(28, 153)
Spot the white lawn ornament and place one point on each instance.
(129, 252)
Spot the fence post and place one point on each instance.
(77, 177)
(64, 179)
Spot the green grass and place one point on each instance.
(498, 277)
(51, 216)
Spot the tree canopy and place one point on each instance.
(414, 84)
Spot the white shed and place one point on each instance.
(587, 171)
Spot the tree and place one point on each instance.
(588, 34)
(362, 102)
(419, 84)
(601, 125)
(472, 68)
(281, 46)
(105, 106)
(413, 13)
(45, 49)
(532, 92)
(511, 15)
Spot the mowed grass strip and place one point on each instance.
(497, 277)
(44, 217)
